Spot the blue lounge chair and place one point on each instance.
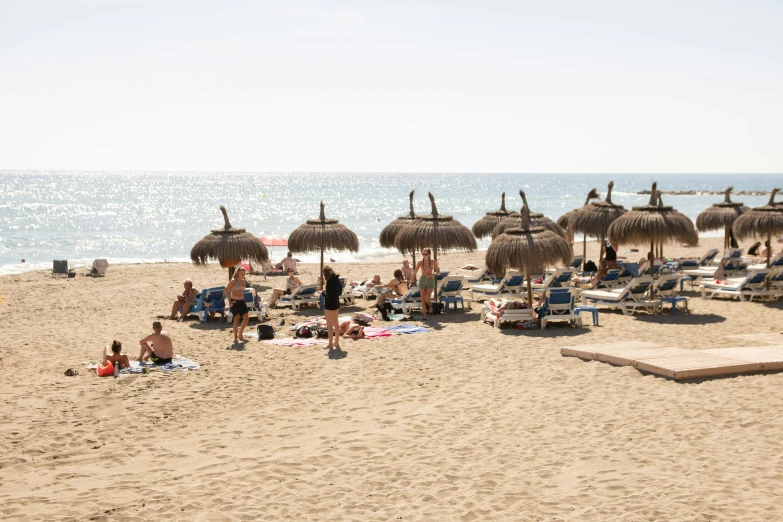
(750, 286)
(254, 307)
(301, 294)
(211, 301)
(408, 302)
(558, 306)
(627, 299)
(691, 262)
(512, 283)
(451, 292)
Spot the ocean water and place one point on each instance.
(133, 217)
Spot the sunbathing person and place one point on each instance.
(354, 332)
(157, 346)
(398, 287)
(185, 301)
(113, 356)
(592, 281)
(291, 283)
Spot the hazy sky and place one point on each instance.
(518, 86)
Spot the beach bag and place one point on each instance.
(304, 332)
(323, 333)
(437, 308)
(590, 266)
(265, 331)
(361, 317)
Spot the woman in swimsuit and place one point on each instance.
(333, 289)
(236, 299)
(291, 283)
(397, 286)
(429, 271)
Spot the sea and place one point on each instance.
(154, 217)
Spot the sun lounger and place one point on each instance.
(627, 299)
(488, 314)
(347, 296)
(750, 286)
(212, 301)
(695, 262)
(731, 267)
(301, 294)
(775, 261)
(560, 278)
(450, 292)
(511, 283)
(558, 306)
(408, 302)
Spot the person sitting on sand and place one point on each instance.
(288, 262)
(291, 283)
(185, 301)
(754, 249)
(157, 346)
(114, 356)
(398, 287)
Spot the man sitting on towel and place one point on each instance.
(157, 346)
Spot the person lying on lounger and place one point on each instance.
(398, 287)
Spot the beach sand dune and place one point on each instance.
(465, 422)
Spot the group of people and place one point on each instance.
(156, 347)
(427, 269)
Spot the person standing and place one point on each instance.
(429, 272)
(235, 291)
(333, 289)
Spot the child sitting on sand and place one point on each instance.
(113, 358)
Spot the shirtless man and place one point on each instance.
(186, 301)
(157, 346)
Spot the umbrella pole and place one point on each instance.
(652, 266)
(529, 288)
(584, 251)
(769, 248)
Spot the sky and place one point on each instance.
(683, 86)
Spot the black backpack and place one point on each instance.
(265, 331)
(590, 266)
(304, 333)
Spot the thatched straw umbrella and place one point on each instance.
(563, 222)
(676, 215)
(652, 224)
(229, 246)
(761, 221)
(721, 216)
(390, 231)
(535, 219)
(594, 219)
(320, 234)
(483, 227)
(437, 231)
(525, 248)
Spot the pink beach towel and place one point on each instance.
(371, 332)
(291, 341)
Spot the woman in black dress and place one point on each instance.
(333, 289)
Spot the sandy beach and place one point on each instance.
(465, 422)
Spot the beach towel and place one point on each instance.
(291, 341)
(407, 329)
(371, 332)
(178, 363)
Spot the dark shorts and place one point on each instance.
(239, 308)
(159, 360)
(332, 304)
